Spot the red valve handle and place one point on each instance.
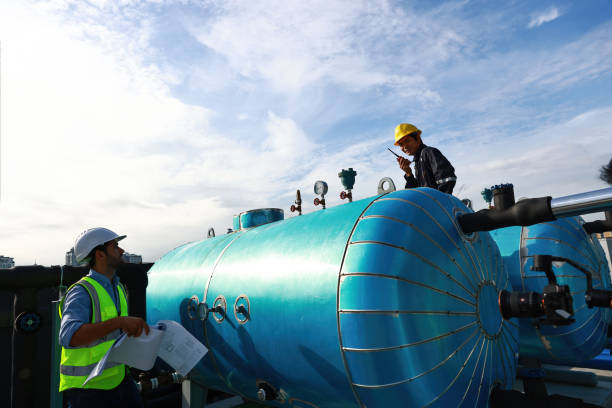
(293, 208)
(343, 195)
(317, 201)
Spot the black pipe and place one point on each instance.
(524, 213)
(599, 226)
(145, 384)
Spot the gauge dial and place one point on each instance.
(320, 188)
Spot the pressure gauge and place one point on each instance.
(320, 188)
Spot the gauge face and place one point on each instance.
(320, 188)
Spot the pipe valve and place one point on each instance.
(298, 203)
(347, 194)
(555, 303)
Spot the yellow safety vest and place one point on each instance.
(76, 363)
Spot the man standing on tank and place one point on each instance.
(431, 167)
(94, 312)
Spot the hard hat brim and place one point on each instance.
(418, 132)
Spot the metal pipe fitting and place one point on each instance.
(583, 203)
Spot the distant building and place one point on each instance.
(132, 258)
(71, 258)
(6, 262)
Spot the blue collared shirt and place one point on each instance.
(77, 306)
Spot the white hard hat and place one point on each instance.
(91, 238)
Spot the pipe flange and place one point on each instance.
(242, 309)
(219, 308)
(192, 308)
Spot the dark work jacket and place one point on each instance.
(433, 170)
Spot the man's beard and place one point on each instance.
(115, 263)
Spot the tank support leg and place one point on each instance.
(532, 375)
(193, 394)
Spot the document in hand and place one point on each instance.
(167, 339)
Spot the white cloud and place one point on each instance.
(554, 160)
(285, 139)
(82, 122)
(93, 133)
(544, 17)
(356, 45)
(521, 87)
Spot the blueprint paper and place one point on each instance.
(167, 340)
(138, 352)
(179, 348)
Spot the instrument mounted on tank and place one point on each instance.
(298, 203)
(347, 177)
(320, 188)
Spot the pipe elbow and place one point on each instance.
(524, 213)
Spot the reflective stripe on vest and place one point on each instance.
(76, 363)
(446, 180)
(82, 370)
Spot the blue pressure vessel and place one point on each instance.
(566, 238)
(381, 302)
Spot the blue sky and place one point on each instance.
(159, 119)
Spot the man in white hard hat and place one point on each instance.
(431, 167)
(94, 313)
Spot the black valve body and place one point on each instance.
(598, 298)
(557, 297)
(503, 196)
(520, 304)
(599, 226)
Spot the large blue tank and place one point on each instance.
(377, 303)
(566, 238)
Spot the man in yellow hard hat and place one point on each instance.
(431, 167)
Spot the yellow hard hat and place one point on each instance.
(404, 129)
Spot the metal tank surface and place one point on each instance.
(587, 336)
(377, 303)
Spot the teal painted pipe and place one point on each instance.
(377, 303)
(584, 339)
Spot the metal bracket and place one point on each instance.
(388, 188)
